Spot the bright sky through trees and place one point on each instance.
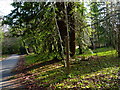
(5, 7)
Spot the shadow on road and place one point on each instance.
(5, 71)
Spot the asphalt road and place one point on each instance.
(6, 67)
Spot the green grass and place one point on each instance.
(3, 56)
(106, 53)
(99, 73)
(30, 59)
(100, 52)
(33, 58)
(93, 74)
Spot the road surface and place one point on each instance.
(6, 67)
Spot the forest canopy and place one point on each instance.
(56, 29)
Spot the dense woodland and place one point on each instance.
(62, 31)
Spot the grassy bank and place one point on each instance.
(2, 57)
(97, 73)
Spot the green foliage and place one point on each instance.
(30, 21)
(11, 45)
(31, 59)
(35, 23)
(35, 58)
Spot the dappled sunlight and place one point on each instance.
(104, 53)
(47, 68)
(107, 53)
(90, 74)
(45, 74)
(62, 45)
(106, 77)
(11, 82)
(98, 72)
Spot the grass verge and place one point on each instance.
(97, 73)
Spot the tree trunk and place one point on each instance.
(71, 21)
(118, 26)
(92, 43)
(80, 50)
(27, 51)
(62, 25)
(60, 19)
(67, 64)
(61, 22)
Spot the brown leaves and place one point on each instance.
(20, 65)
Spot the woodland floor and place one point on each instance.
(98, 70)
(3, 57)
